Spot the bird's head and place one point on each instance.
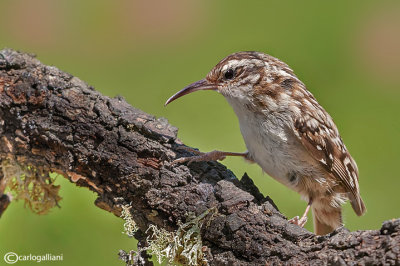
(239, 75)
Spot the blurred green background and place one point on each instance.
(346, 52)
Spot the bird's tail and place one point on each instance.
(326, 219)
(358, 204)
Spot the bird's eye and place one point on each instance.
(229, 74)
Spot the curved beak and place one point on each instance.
(196, 86)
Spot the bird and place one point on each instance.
(287, 133)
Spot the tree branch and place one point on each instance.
(51, 121)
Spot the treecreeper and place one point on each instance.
(287, 133)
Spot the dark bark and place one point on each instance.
(57, 123)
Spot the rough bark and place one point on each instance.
(56, 122)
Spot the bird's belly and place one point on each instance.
(272, 146)
(271, 143)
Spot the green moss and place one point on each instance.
(32, 185)
(184, 246)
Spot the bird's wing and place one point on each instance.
(316, 131)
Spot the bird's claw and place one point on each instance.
(189, 149)
(299, 221)
(200, 157)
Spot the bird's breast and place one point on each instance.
(269, 141)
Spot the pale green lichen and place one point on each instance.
(161, 243)
(33, 185)
(130, 227)
(184, 246)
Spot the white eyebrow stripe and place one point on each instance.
(238, 63)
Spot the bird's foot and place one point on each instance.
(206, 156)
(202, 157)
(303, 220)
(299, 221)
